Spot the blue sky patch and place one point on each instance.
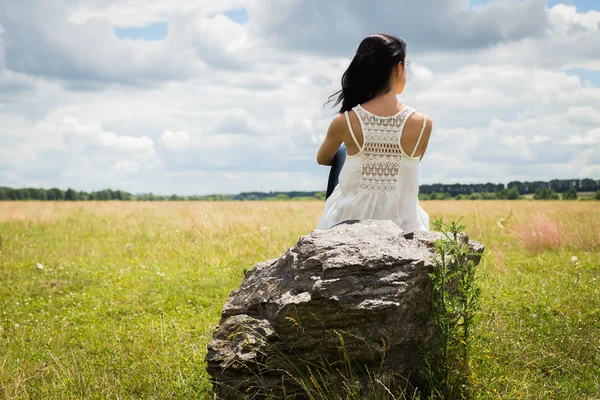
(154, 31)
(475, 3)
(586, 75)
(582, 5)
(240, 15)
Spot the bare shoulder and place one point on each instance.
(414, 124)
(337, 126)
(412, 141)
(339, 120)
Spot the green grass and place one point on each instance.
(128, 294)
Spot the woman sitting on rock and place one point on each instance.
(382, 141)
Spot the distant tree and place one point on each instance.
(545, 194)
(570, 194)
(520, 186)
(512, 193)
(71, 195)
(31, 193)
(100, 195)
(598, 195)
(440, 196)
(21, 194)
(40, 194)
(502, 194)
(320, 195)
(588, 185)
(55, 194)
(439, 191)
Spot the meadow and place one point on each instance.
(119, 299)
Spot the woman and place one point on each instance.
(384, 140)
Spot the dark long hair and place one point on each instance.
(369, 71)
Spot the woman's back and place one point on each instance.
(379, 180)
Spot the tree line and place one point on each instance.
(557, 185)
(540, 190)
(7, 193)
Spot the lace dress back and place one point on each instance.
(381, 180)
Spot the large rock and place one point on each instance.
(364, 280)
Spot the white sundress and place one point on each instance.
(381, 181)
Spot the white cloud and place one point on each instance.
(127, 143)
(134, 13)
(421, 73)
(566, 18)
(591, 138)
(175, 140)
(586, 115)
(239, 107)
(540, 139)
(127, 166)
(306, 24)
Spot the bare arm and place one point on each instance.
(332, 141)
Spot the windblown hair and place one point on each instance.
(369, 71)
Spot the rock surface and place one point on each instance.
(364, 280)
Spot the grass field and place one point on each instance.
(118, 299)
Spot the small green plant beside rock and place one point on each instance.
(454, 305)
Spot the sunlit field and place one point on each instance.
(119, 299)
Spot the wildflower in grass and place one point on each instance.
(40, 266)
(575, 260)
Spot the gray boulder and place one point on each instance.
(361, 282)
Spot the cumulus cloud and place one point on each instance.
(566, 19)
(40, 40)
(128, 13)
(584, 115)
(175, 140)
(420, 73)
(591, 138)
(219, 106)
(111, 140)
(127, 166)
(449, 24)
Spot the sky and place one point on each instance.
(201, 97)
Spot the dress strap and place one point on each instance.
(352, 131)
(420, 135)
